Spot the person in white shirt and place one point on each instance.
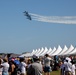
(23, 66)
(73, 68)
(5, 66)
(68, 66)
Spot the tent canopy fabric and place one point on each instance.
(57, 51)
(52, 52)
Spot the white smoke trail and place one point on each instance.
(55, 19)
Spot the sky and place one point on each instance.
(53, 23)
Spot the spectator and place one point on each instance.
(23, 66)
(5, 66)
(56, 62)
(11, 67)
(47, 67)
(68, 66)
(73, 67)
(62, 72)
(30, 61)
(36, 67)
(1, 66)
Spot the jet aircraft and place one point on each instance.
(27, 15)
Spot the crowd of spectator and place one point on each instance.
(37, 65)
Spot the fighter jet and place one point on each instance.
(27, 15)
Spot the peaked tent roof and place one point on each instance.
(41, 51)
(69, 50)
(73, 51)
(34, 52)
(37, 52)
(57, 51)
(49, 50)
(63, 50)
(54, 49)
(45, 51)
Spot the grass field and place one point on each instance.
(52, 73)
(55, 72)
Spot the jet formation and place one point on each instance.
(27, 15)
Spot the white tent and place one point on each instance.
(44, 52)
(63, 50)
(25, 55)
(37, 52)
(41, 51)
(51, 52)
(59, 49)
(34, 52)
(54, 49)
(69, 50)
(73, 51)
(48, 52)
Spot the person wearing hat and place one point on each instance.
(36, 67)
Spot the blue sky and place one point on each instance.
(18, 34)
